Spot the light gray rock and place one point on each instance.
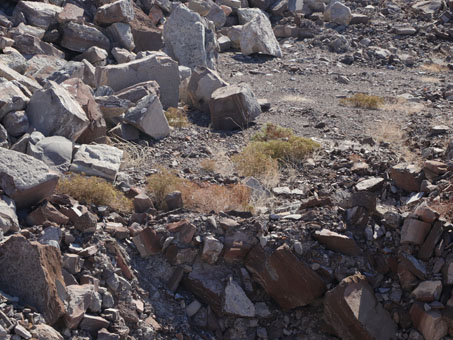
(212, 248)
(190, 39)
(234, 33)
(95, 55)
(217, 16)
(55, 151)
(202, 84)
(11, 98)
(8, 217)
(232, 107)
(16, 123)
(236, 301)
(157, 66)
(80, 37)
(338, 13)
(122, 55)
(118, 11)
(257, 36)
(25, 179)
(184, 78)
(121, 35)
(30, 45)
(245, 15)
(45, 332)
(148, 116)
(14, 60)
(10, 74)
(97, 160)
(36, 13)
(53, 111)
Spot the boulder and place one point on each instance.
(121, 35)
(97, 160)
(232, 107)
(30, 45)
(55, 151)
(45, 332)
(37, 14)
(430, 323)
(353, 311)
(212, 248)
(236, 302)
(190, 39)
(11, 98)
(203, 82)
(62, 115)
(245, 15)
(29, 269)
(25, 179)
(146, 36)
(95, 55)
(414, 231)
(79, 299)
(79, 37)
(337, 242)
(257, 36)
(10, 74)
(118, 11)
(156, 66)
(338, 13)
(69, 13)
(290, 282)
(407, 177)
(428, 291)
(8, 217)
(16, 123)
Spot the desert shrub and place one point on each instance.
(272, 131)
(163, 183)
(94, 190)
(363, 101)
(208, 165)
(177, 117)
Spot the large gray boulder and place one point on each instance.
(97, 160)
(203, 82)
(55, 151)
(25, 179)
(36, 14)
(190, 39)
(233, 107)
(257, 36)
(79, 37)
(157, 66)
(148, 117)
(338, 13)
(54, 112)
(11, 98)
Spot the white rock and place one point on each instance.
(236, 301)
(257, 36)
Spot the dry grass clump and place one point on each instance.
(208, 165)
(363, 101)
(177, 117)
(271, 147)
(435, 67)
(202, 197)
(94, 190)
(134, 155)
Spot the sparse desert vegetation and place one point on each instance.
(363, 101)
(177, 117)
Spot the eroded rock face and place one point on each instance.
(354, 313)
(290, 282)
(29, 269)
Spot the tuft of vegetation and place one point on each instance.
(202, 197)
(363, 101)
(94, 190)
(177, 117)
(208, 165)
(272, 131)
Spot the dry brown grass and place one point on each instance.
(177, 117)
(134, 155)
(94, 190)
(402, 105)
(432, 80)
(434, 67)
(208, 165)
(202, 197)
(296, 99)
(363, 101)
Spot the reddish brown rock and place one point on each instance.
(354, 313)
(46, 212)
(426, 213)
(428, 291)
(427, 249)
(414, 231)
(147, 242)
(28, 269)
(433, 169)
(290, 282)
(185, 230)
(337, 242)
(406, 177)
(146, 36)
(430, 324)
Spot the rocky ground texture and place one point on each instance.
(352, 242)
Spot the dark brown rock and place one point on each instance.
(337, 242)
(147, 242)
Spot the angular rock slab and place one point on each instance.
(431, 324)
(190, 39)
(148, 116)
(10, 74)
(354, 313)
(55, 151)
(157, 66)
(54, 112)
(8, 217)
(80, 37)
(79, 299)
(11, 98)
(97, 160)
(257, 36)
(337, 242)
(36, 13)
(25, 179)
(233, 107)
(32, 272)
(118, 11)
(290, 282)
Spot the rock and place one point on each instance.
(429, 323)
(338, 13)
(245, 15)
(10, 74)
(146, 36)
(28, 269)
(428, 291)
(121, 35)
(11, 98)
(414, 231)
(406, 177)
(104, 334)
(69, 13)
(147, 242)
(427, 7)
(112, 106)
(79, 299)
(211, 249)
(224, 43)
(46, 212)
(55, 151)
(63, 115)
(79, 37)
(93, 324)
(173, 200)
(95, 55)
(287, 280)
(426, 213)
(433, 169)
(37, 14)
(45, 332)
(337, 242)
(16, 123)
(157, 66)
(232, 107)
(257, 36)
(25, 179)
(97, 160)
(142, 203)
(427, 249)
(148, 116)
(118, 11)
(197, 46)
(28, 44)
(370, 184)
(354, 312)
(202, 84)
(236, 303)
(122, 55)
(22, 332)
(8, 217)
